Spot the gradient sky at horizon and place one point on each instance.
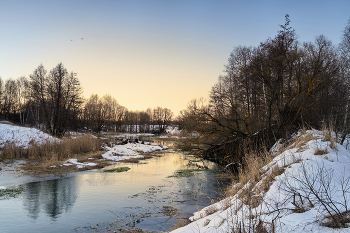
(149, 53)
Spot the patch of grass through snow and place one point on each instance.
(6, 193)
(118, 169)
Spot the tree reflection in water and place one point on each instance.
(54, 197)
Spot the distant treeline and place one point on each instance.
(272, 90)
(53, 100)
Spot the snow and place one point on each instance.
(318, 177)
(176, 137)
(22, 136)
(126, 135)
(130, 150)
(10, 174)
(173, 130)
(78, 164)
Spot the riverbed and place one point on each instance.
(150, 196)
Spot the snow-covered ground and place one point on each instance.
(130, 150)
(22, 136)
(308, 190)
(78, 164)
(173, 130)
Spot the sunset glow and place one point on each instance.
(150, 53)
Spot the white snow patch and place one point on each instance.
(331, 168)
(130, 150)
(173, 130)
(78, 164)
(22, 136)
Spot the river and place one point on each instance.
(148, 196)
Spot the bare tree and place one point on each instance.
(105, 111)
(10, 97)
(23, 94)
(344, 61)
(1, 94)
(39, 95)
(269, 92)
(93, 112)
(56, 97)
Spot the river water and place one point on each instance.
(147, 197)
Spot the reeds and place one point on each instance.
(51, 150)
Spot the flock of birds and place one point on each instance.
(80, 39)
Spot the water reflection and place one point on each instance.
(54, 197)
(146, 197)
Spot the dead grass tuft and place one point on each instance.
(210, 210)
(180, 222)
(226, 203)
(301, 141)
(11, 151)
(58, 150)
(52, 165)
(329, 135)
(49, 157)
(260, 227)
(250, 175)
(332, 145)
(320, 151)
(269, 178)
(206, 222)
(252, 164)
(337, 221)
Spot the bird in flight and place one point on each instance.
(82, 38)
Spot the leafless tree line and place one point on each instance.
(272, 90)
(106, 114)
(53, 100)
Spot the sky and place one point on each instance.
(149, 53)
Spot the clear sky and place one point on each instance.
(149, 53)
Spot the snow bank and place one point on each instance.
(173, 130)
(298, 200)
(22, 136)
(79, 165)
(130, 150)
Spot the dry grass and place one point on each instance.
(11, 151)
(252, 182)
(301, 141)
(260, 227)
(48, 158)
(52, 165)
(321, 152)
(249, 175)
(226, 203)
(343, 217)
(180, 222)
(252, 164)
(60, 150)
(210, 210)
(328, 135)
(276, 171)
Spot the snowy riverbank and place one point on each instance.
(310, 194)
(23, 137)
